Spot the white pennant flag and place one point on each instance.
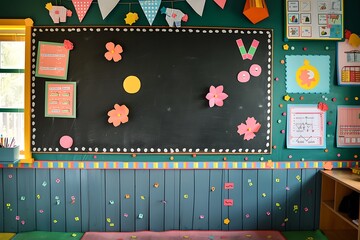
(150, 8)
(197, 5)
(106, 6)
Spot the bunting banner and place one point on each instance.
(197, 5)
(221, 3)
(81, 7)
(106, 6)
(150, 8)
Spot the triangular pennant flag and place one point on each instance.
(150, 8)
(81, 7)
(221, 3)
(197, 5)
(106, 6)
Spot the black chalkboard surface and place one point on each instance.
(170, 113)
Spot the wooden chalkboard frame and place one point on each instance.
(92, 133)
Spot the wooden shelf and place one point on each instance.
(337, 184)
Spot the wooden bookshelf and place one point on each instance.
(336, 184)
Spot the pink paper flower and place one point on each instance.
(249, 129)
(113, 52)
(323, 106)
(118, 115)
(216, 96)
(68, 45)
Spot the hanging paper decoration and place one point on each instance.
(58, 13)
(174, 16)
(150, 8)
(106, 6)
(131, 18)
(221, 3)
(197, 5)
(81, 7)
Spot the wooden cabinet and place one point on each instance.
(337, 184)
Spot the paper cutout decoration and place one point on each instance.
(216, 96)
(131, 18)
(174, 16)
(118, 115)
(113, 52)
(66, 141)
(197, 5)
(322, 106)
(243, 76)
(249, 129)
(132, 84)
(81, 7)
(307, 74)
(106, 6)
(255, 10)
(58, 13)
(250, 54)
(354, 40)
(68, 45)
(150, 8)
(255, 70)
(221, 3)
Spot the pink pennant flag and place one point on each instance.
(81, 7)
(221, 3)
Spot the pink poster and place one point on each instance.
(52, 60)
(348, 126)
(60, 99)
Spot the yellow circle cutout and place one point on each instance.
(132, 84)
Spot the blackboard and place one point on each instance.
(170, 113)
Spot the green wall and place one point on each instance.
(231, 16)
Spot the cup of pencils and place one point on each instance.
(9, 151)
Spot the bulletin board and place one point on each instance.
(170, 113)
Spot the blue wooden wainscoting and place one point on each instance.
(76, 200)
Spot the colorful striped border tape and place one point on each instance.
(182, 165)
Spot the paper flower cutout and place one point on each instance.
(68, 45)
(118, 115)
(216, 96)
(322, 106)
(249, 129)
(131, 18)
(113, 52)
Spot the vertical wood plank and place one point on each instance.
(264, 199)
(2, 218)
(186, 199)
(317, 193)
(293, 199)
(43, 209)
(142, 194)
(215, 200)
(84, 195)
(26, 200)
(57, 200)
(225, 212)
(127, 187)
(96, 193)
(201, 200)
(172, 194)
(73, 200)
(112, 200)
(157, 196)
(308, 196)
(279, 199)
(10, 200)
(250, 186)
(236, 194)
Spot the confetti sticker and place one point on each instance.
(186, 196)
(77, 219)
(10, 176)
(226, 221)
(247, 215)
(44, 184)
(108, 220)
(17, 218)
(57, 180)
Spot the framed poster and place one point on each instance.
(60, 99)
(348, 126)
(305, 126)
(321, 19)
(348, 63)
(52, 60)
